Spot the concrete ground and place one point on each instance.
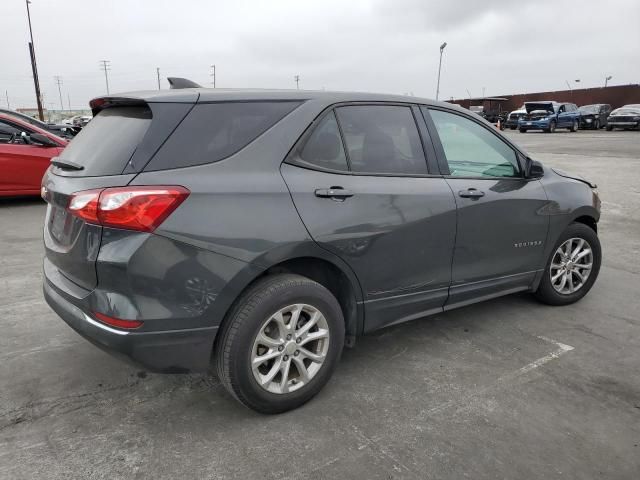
(505, 389)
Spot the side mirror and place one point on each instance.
(533, 169)
(43, 140)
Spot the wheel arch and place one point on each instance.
(318, 265)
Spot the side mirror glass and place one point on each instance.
(40, 139)
(533, 169)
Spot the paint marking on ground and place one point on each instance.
(562, 349)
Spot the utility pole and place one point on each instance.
(69, 101)
(6, 94)
(59, 83)
(34, 67)
(158, 73)
(297, 79)
(213, 74)
(105, 66)
(440, 68)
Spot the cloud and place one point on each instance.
(376, 45)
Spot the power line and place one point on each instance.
(59, 83)
(105, 65)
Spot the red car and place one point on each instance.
(25, 154)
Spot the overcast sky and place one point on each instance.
(385, 46)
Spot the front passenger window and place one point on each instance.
(471, 150)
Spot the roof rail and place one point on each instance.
(177, 82)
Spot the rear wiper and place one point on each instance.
(65, 164)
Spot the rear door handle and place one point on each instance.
(471, 193)
(333, 192)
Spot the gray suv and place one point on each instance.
(264, 230)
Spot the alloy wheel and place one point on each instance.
(290, 348)
(571, 266)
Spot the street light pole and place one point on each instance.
(606, 80)
(34, 68)
(439, 69)
(297, 79)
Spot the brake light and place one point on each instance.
(130, 208)
(118, 322)
(85, 205)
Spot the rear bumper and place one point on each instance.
(174, 351)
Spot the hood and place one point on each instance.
(520, 110)
(544, 106)
(630, 110)
(574, 176)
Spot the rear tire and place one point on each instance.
(597, 125)
(609, 128)
(558, 292)
(266, 321)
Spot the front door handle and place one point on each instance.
(471, 193)
(333, 192)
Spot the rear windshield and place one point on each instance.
(107, 143)
(214, 131)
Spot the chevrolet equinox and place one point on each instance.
(262, 231)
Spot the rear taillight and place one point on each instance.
(131, 208)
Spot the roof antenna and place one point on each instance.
(177, 82)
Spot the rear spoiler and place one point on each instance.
(98, 104)
(177, 82)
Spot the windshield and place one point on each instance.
(590, 108)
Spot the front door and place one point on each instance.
(374, 205)
(501, 227)
(22, 164)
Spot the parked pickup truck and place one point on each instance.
(547, 116)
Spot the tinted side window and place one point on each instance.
(214, 131)
(471, 150)
(382, 139)
(324, 147)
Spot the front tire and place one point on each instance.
(523, 130)
(280, 343)
(574, 126)
(552, 127)
(572, 268)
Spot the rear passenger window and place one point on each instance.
(214, 131)
(382, 139)
(324, 147)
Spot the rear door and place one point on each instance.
(101, 151)
(368, 197)
(501, 227)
